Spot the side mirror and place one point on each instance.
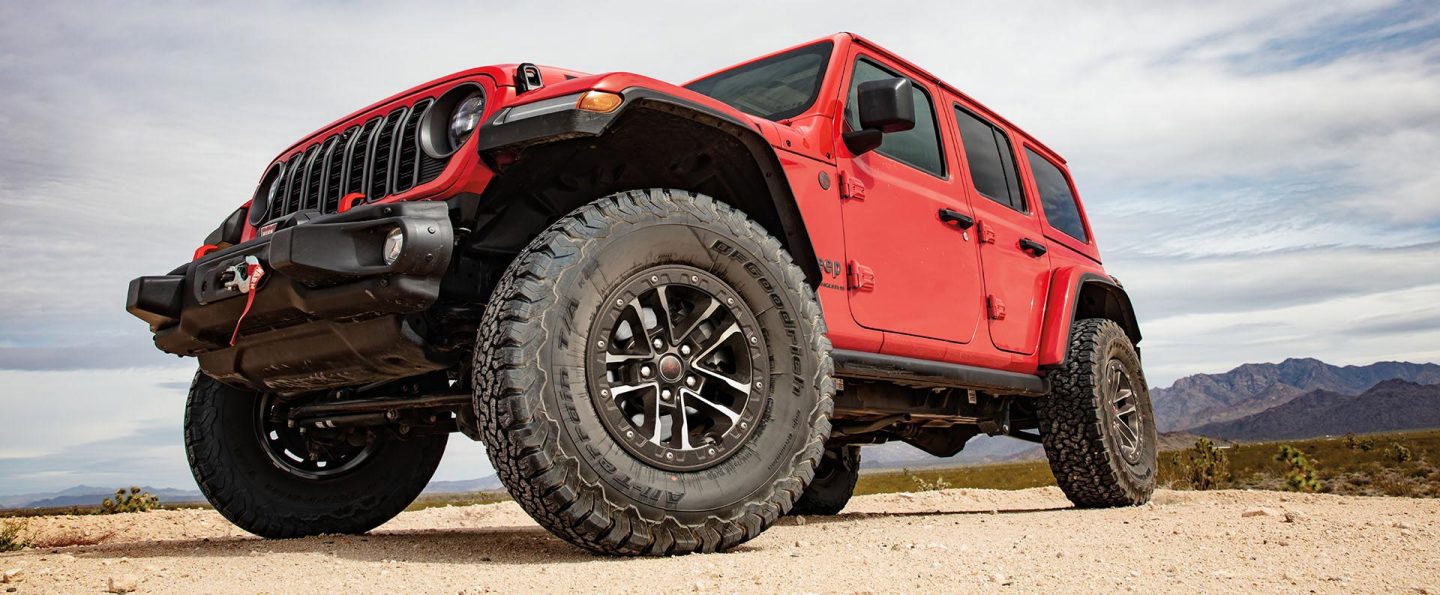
(884, 106)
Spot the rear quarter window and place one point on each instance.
(1058, 201)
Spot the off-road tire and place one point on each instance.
(833, 485)
(542, 430)
(253, 492)
(1081, 442)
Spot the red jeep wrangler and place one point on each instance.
(671, 313)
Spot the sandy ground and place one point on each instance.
(955, 540)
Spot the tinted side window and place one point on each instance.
(1061, 210)
(992, 164)
(918, 146)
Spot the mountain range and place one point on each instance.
(1202, 399)
(1388, 406)
(85, 496)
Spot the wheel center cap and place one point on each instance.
(670, 368)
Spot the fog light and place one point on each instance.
(394, 243)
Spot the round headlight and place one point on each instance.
(264, 198)
(465, 117)
(394, 244)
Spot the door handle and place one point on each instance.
(1033, 247)
(961, 220)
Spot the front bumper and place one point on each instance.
(328, 313)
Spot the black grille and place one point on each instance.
(377, 159)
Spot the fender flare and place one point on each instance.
(563, 124)
(1067, 301)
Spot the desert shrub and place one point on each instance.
(1398, 453)
(1204, 466)
(923, 485)
(1353, 443)
(1299, 472)
(10, 539)
(133, 501)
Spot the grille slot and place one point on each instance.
(359, 158)
(382, 155)
(378, 158)
(408, 150)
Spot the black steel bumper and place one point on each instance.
(328, 313)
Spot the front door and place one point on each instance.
(912, 264)
(1012, 244)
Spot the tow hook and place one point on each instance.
(239, 277)
(245, 278)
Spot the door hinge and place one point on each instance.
(851, 189)
(994, 307)
(985, 232)
(861, 277)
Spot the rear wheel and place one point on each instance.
(653, 377)
(834, 483)
(1097, 423)
(279, 481)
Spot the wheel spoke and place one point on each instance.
(641, 332)
(667, 325)
(729, 413)
(1127, 434)
(679, 425)
(1122, 395)
(716, 343)
(620, 389)
(612, 358)
(710, 309)
(731, 382)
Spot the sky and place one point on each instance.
(1261, 175)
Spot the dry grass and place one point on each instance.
(466, 499)
(1343, 470)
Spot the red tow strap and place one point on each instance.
(253, 273)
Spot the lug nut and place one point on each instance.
(690, 381)
(684, 350)
(665, 395)
(659, 344)
(645, 371)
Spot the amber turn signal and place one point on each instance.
(599, 101)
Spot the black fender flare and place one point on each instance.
(1074, 296)
(784, 221)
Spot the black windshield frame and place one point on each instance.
(824, 50)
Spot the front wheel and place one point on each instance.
(278, 481)
(652, 376)
(1097, 424)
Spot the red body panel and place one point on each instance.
(896, 279)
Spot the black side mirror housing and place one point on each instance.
(884, 106)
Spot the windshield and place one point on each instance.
(776, 88)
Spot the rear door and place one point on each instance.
(1016, 268)
(909, 270)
